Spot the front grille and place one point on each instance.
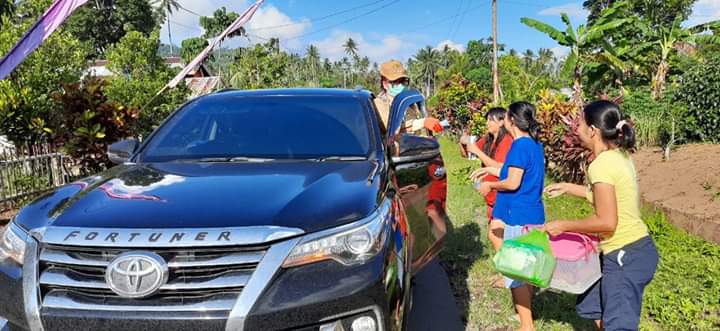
(203, 278)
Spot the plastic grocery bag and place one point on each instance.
(527, 258)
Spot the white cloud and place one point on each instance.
(704, 11)
(377, 49)
(456, 46)
(571, 9)
(186, 25)
(560, 52)
(270, 16)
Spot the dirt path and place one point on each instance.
(686, 188)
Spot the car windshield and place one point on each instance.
(273, 127)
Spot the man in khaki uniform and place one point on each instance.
(394, 79)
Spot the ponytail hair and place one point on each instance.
(522, 114)
(615, 128)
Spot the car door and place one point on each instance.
(419, 177)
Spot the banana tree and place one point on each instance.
(583, 43)
(665, 40)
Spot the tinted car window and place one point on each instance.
(280, 127)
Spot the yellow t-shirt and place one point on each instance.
(616, 168)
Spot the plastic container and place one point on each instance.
(527, 258)
(471, 141)
(477, 184)
(578, 262)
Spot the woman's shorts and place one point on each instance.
(512, 231)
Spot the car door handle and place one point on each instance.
(408, 189)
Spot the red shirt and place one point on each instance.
(438, 187)
(502, 148)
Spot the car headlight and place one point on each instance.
(12, 243)
(350, 244)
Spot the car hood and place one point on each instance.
(307, 195)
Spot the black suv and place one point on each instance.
(245, 210)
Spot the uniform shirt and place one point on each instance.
(383, 102)
(616, 168)
(523, 206)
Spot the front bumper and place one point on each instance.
(301, 298)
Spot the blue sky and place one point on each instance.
(387, 29)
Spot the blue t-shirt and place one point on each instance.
(524, 205)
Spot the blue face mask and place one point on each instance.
(396, 89)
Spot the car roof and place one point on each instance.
(284, 92)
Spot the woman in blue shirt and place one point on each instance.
(519, 199)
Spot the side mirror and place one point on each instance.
(121, 151)
(412, 149)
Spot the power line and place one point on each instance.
(455, 20)
(346, 21)
(319, 18)
(446, 18)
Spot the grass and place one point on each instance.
(685, 294)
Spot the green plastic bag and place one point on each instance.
(527, 258)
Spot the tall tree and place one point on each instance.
(351, 48)
(216, 24)
(168, 7)
(427, 61)
(312, 58)
(528, 58)
(582, 43)
(659, 12)
(191, 47)
(102, 23)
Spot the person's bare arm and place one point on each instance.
(511, 183)
(486, 160)
(603, 220)
(558, 189)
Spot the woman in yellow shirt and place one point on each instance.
(629, 257)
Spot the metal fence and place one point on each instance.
(28, 171)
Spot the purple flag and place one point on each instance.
(51, 20)
(242, 19)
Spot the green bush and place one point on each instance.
(657, 121)
(700, 90)
(685, 293)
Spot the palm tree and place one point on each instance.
(583, 43)
(528, 56)
(545, 58)
(351, 49)
(168, 7)
(313, 60)
(428, 61)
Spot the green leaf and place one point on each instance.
(547, 29)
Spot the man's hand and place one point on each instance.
(432, 124)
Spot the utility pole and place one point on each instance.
(496, 79)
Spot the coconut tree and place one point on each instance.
(168, 7)
(312, 58)
(351, 49)
(528, 57)
(427, 61)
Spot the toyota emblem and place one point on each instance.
(136, 274)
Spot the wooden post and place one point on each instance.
(496, 79)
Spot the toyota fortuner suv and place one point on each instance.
(289, 209)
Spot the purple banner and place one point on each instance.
(51, 20)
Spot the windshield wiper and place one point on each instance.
(226, 159)
(339, 158)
